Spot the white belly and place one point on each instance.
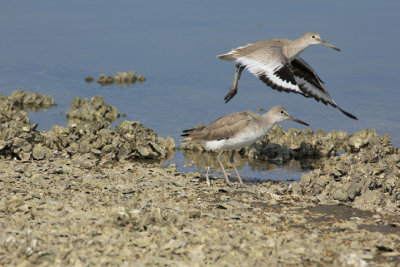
(239, 141)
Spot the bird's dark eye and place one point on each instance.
(313, 36)
(282, 112)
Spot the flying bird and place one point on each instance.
(277, 63)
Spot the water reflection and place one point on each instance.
(265, 169)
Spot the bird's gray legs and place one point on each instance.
(222, 167)
(232, 92)
(234, 167)
(207, 178)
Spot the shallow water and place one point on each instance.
(50, 48)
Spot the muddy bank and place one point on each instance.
(59, 212)
(88, 195)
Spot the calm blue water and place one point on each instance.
(49, 47)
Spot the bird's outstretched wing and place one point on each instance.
(311, 84)
(271, 67)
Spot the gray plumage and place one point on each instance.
(235, 131)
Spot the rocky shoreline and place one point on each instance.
(87, 194)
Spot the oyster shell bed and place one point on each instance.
(121, 78)
(88, 136)
(88, 195)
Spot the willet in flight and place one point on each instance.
(235, 131)
(277, 63)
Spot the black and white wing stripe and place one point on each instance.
(311, 84)
(271, 67)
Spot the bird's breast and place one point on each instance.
(242, 139)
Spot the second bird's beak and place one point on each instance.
(298, 121)
(329, 45)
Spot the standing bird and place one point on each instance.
(235, 131)
(277, 63)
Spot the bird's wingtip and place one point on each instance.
(348, 114)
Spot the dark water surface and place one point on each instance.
(50, 47)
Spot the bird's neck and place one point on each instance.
(267, 122)
(297, 46)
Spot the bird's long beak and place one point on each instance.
(329, 45)
(298, 121)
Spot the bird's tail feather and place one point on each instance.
(228, 57)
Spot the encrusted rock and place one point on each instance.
(31, 101)
(38, 152)
(88, 133)
(89, 79)
(95, 110)
(143, 142)
(121, 78)
(365, 177)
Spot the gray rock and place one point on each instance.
(365, 175)
(38, 152)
